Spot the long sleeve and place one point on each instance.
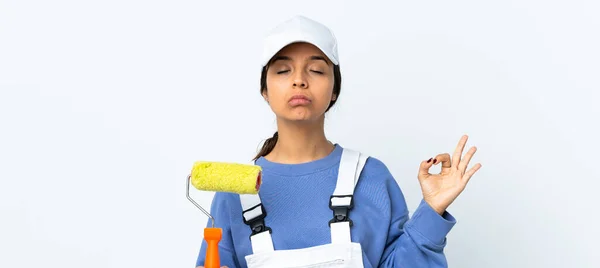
(221, 212)
(418, 241)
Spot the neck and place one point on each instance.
(300, 143)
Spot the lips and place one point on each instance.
(297, 100)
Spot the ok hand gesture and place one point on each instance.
(440, 190)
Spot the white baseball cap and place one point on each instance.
(300, 29)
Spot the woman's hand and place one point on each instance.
(440, 190)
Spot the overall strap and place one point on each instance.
(351, 165)
(254, 214)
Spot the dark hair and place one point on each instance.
(269, 144)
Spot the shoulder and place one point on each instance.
(374, 168)
(378, 185)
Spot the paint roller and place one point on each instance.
(221, 177)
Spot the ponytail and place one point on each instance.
(267, 146)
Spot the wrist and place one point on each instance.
(439, 209)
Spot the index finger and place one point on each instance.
(444, 159)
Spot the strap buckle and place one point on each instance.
(257, 224)
(340, 213)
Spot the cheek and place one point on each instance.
(324, 100)
(275, 92)
(325, 93)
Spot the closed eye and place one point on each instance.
(314, 71)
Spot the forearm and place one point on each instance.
(420, 241)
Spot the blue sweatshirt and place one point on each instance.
(296, 199)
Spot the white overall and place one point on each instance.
(341, 252)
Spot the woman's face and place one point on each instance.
(300, 83)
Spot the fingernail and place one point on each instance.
(429, 160)
(434, 161)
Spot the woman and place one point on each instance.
(322, 205)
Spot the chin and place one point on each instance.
(300, 117)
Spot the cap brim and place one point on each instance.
(268, 55)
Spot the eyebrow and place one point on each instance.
(280, 58)
(288, 58)
(319, 58)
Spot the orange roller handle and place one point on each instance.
(212, 237)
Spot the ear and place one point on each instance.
(265, 96)
(334, 97)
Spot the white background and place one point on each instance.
(105, 105)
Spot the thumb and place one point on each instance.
(424, 168)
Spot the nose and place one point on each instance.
(300, 84)
(299, 81)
